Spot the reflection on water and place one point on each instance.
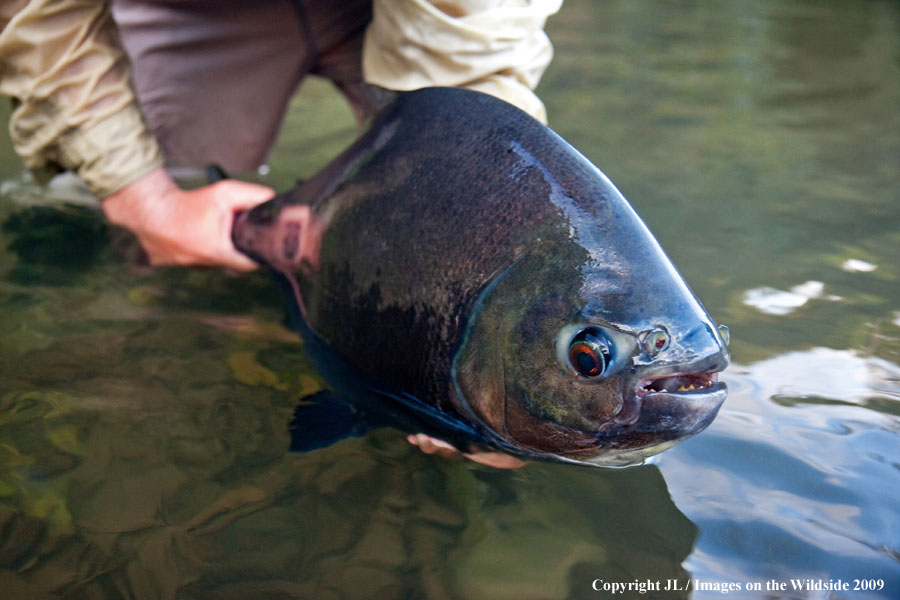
(817, 492)
(143, 413)
(779, 302)
(120, 498)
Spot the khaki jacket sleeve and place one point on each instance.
(74, 107)
(494, 46)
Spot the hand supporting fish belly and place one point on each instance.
(430, 445)
(465, 273)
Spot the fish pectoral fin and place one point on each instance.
(323, 419)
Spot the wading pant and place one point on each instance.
(214, 77)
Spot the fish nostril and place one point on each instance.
(655, 340)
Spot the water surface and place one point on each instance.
(143, 413)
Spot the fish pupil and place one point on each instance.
(586, 362)
(589, 353)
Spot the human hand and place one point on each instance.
(498, 460)
(179, 227)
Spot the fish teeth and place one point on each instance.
(687, 387)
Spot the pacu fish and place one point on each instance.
(464, 261)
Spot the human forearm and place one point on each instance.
(493, 46)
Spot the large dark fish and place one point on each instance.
(468, 263)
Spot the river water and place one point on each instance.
(143, 414)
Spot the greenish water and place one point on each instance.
(143, 413)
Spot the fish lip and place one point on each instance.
(684, 383)
(658, 418)
(666, 418)
(688, 384)
(701, 373)
(673, 415)
(707, 400)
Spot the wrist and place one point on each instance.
(152, 184)
(138, 199)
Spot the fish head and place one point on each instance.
(590, 347)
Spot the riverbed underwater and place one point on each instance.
(143, 413)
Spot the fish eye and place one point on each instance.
(589, 352)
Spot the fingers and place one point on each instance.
(430, 445)
(234, 260)
(232, 196)
(177, 227)
(241, 195)
(498, 460)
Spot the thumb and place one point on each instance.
(237, 195)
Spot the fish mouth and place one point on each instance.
(676, 406)
(685, 387)
(687, 384)
(669, 409)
